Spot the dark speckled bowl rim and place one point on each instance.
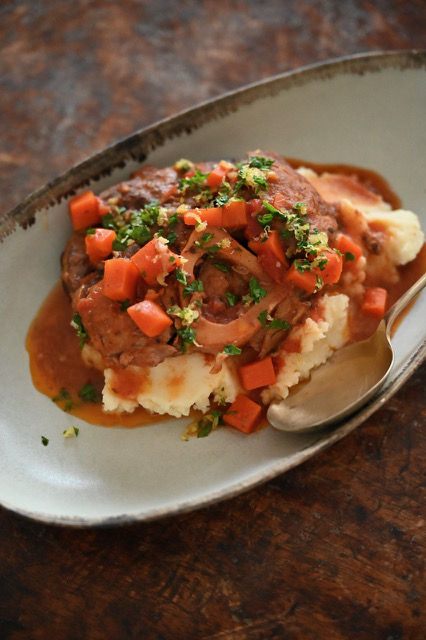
(137, 147)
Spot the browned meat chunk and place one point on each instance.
(114, 334)
(75, 263)
(146, 185)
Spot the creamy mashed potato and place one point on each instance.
(317, 339)
(174, 386)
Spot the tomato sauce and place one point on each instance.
(56, 365)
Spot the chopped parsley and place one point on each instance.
(231, 350)
(349, 256)
(257, 292)
(265, 219)
(209, 422)
(259, 162)
(81, 331)
(295, 224)
(124, 305)
(276, 323)
(187, 335)
(302, 265)
(223, 196)
(194, 183)
(88, 393)
(201, 244)
(205, 426)
(63, 395)
(192, 287)
(221, 267)
(253, 174)
(132, 226)
(232, 298)
(181, 276)
(44, 441)
(172, 235)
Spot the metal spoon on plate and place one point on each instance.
(345, 382)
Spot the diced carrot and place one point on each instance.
(149, 317)
(273, 244)
(307, 280)
(347, 246)
(374, 303)
(243, 414)
(332, 271)
(99, 244)
(259, 373)
(120, 279)
(273, 267)
(313, 279)
(154, 261)
(216, 175)
(271, 255)
(234, 214)
(84, 211)
(213, 216)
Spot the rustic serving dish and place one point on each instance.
(366, 111)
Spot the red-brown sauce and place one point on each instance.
(55, 357)
(56, 363)
(370, 179)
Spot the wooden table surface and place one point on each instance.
(334, 548)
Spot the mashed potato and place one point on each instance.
(317, 340)
(175, 386)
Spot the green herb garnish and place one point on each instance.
(210, 421)
(195, 182)
(231, 350)
(88, 393)
(232, 298)
(192, 287)
(81, 331)
(276, 323)
(187, 335)
(64, 395)
(257, 292)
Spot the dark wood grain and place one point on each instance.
(333, 549)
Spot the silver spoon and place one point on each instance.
(345, 382)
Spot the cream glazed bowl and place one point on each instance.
(366, 111)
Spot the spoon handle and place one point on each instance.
(403, 301)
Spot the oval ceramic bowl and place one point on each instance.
(366, 111)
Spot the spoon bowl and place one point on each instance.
(348, 380)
